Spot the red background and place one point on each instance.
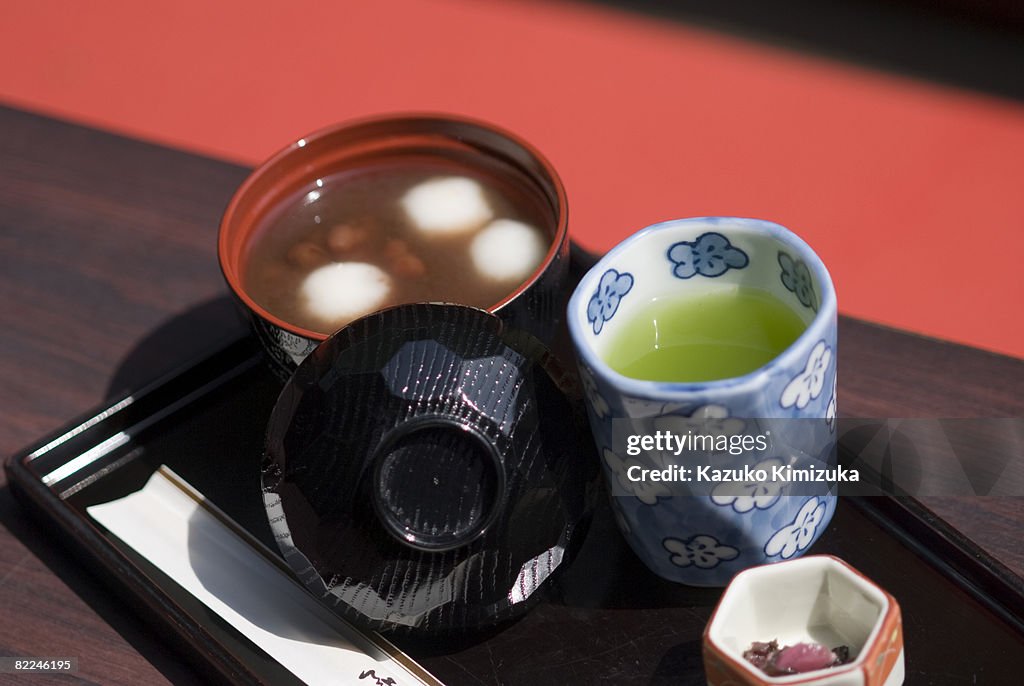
(910, 191)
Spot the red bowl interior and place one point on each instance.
(351, 145)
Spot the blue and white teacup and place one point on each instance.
(702, 531)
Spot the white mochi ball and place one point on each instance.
(447, 205)
(342, 291)
(507, 250)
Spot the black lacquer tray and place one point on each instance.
(606, 619)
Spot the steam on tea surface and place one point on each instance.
(718, 335)
(391, 233)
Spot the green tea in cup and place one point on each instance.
(715, 334)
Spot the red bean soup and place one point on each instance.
(416, 230)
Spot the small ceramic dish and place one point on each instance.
(817, 598)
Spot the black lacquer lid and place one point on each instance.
(427, 469)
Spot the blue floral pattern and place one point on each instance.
(797, 278)
(830, 411)
(708, 418)
(807, 385)
(710, 255)
(645, 491)
(792, 538)
(713, 420)
(745, 496)
(701, 551)
(606, 298)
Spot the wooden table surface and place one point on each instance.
(105, 242)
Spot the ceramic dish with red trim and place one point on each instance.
(817, 600)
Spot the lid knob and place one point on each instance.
(438, 483)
